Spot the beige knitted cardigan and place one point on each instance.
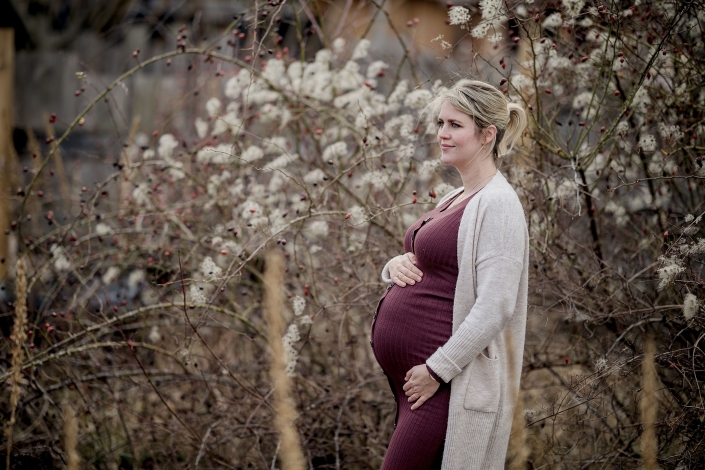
(482, 359)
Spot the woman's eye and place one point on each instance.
(455, 125)
(440, 123)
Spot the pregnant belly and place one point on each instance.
(411, 324)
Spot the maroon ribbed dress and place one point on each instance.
(409, 325)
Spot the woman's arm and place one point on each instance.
(498, 254)
(498, 280)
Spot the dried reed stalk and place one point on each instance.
(291, 456)
(518, 451)
(70, 437)
(649, 408)
(19, 336)
(34, 205)
(58, 164)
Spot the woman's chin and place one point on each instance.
(447, 158)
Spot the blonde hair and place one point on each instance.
(487, 106)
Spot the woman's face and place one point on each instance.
(459, 138)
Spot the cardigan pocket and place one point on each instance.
(483, 389)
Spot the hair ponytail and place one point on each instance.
(512, 133)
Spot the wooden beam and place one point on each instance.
(7, 151)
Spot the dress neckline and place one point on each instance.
(450, 201)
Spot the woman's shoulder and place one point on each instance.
(499, 191)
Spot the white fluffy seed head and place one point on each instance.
(299, 304)
(459, 15)
(670, 268)
(690, 306)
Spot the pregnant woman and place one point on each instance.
(449, 330)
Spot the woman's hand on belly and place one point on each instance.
(403, 270)
(419, 385)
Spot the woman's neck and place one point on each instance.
(477, 176)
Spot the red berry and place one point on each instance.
(223, 252)
(335, 279)
(155, 133)
(567, 359)
(347, 216)
(31, 346)
(617, 93)
(414, 201)
(549, 92)
(168, 62)
(52, 119)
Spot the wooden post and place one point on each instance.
(7, 157)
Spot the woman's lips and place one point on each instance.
(446, 147)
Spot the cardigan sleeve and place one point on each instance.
(498, 268)
(386, 277)
(497, 290)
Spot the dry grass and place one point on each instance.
(518, 452)
(19, 336)
(649, 408)
(291, 456)
(70, 437)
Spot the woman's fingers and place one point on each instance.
(403, 271)
(405, 278)
(409, 263)
(398, 281)
(419, 402)
(413, 274)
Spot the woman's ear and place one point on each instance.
(489, 133)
